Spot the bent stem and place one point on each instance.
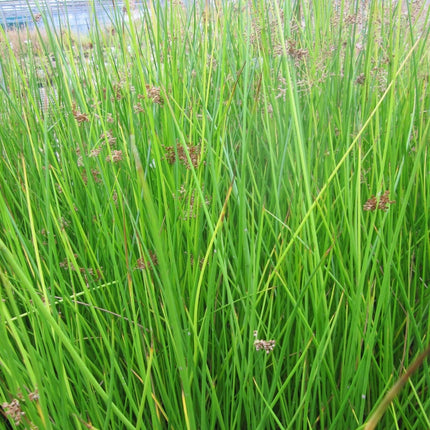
(394, 391)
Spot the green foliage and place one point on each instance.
(172, 186)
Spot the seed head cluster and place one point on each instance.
(266, 345)
(95, 274)
(179, 153)
(13, 409)
(147, 263)
(79, 116)
(380, 203)
(154, 94)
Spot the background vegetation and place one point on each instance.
(216, 217)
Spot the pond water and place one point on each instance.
(77, 15)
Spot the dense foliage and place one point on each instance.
(216, 217)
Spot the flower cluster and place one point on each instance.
(114, 157)
(13, 409)
(154, 94)
(79, 116)
(179, 153)
(95, 274)
(192, 201)
(267, 345)
(143, 264)
(382, 203)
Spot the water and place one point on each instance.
(77, 14)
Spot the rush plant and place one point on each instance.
(215, 215)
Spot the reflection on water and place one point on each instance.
(77, 15)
